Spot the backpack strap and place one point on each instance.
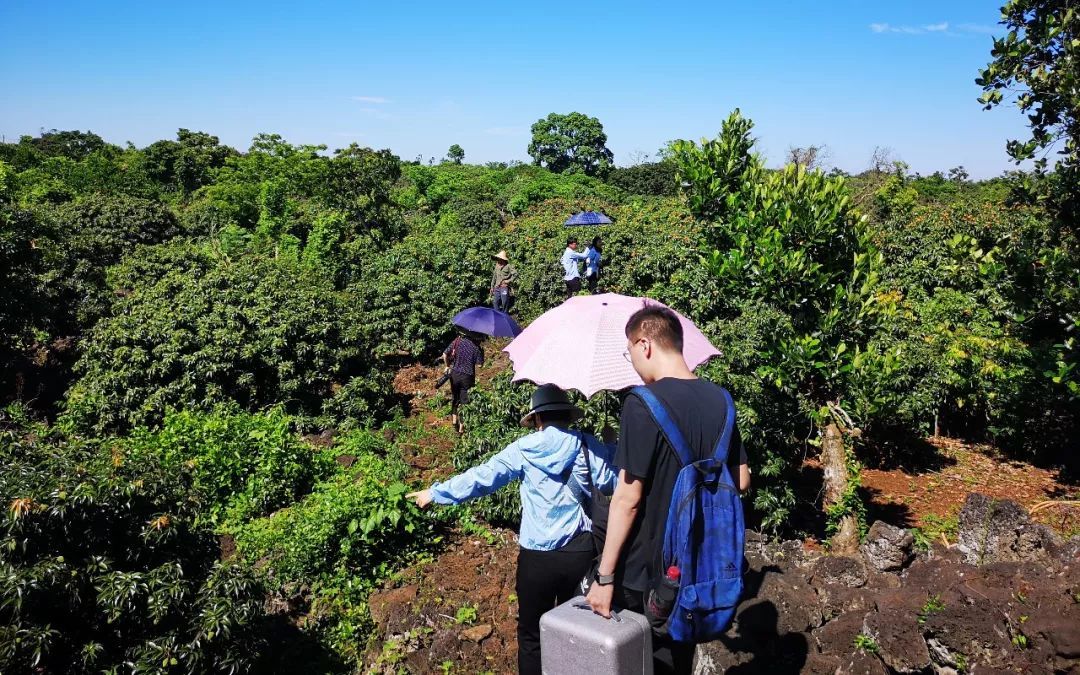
(723, 446)
(667, 425)
(671, 430)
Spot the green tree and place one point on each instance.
(790, 244)
(455, 154)
(186, 163)
(572, 143)
(1038, 63)
(649, 178)
(74, 145)
(713, 173)
(358, 183)
(90, 234)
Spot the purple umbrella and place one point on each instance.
(588, 218)
(487, 321)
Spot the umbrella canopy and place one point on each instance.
(487, 321)
(588, 218)
(580, 344)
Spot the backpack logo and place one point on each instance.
(704, 535)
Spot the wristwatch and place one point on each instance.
(604, 579)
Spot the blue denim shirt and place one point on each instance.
(554, 483)
(592, 262)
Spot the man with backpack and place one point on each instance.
(703, 537)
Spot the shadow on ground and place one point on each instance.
(758, 634)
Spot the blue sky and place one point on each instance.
(417, 77)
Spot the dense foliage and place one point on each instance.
(192, 328)
(241, 465)
(222, 302)
(103, 566)
(349, 534)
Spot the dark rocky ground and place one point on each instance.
(1005, 598)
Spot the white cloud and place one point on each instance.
(941, 28)
(370, 99)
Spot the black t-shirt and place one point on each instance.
(699, 410)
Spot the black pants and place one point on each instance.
(546, 579)
(460, 384)
(572, 287)
(669, 657)
(593, 282)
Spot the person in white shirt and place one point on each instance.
(571, 274)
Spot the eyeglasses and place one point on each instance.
(626, 354)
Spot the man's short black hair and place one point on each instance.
(571, 240)
(659, 324)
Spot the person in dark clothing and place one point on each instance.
(461, 358)
(631, 559)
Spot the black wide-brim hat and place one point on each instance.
(550, 398)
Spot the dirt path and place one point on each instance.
(931, 495)
(457, 612)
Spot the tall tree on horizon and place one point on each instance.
(571, 143)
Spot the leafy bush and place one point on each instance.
(655, 179)
(22, 300)
(192, 329)
(102, 566)
(491, 420)
(973, 326)
(347, 536)
(412, 290)
(91, 234)
(242, 465)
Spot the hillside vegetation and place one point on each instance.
(204, 456)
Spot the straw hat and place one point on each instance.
(501, 255)
(550, 398)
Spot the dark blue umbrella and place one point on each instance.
(588, 218)
(487, 321)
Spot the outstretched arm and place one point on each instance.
(478, 481)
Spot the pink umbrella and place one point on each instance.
(580, 344)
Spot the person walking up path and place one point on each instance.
(571, 274)
(559, 469)
(502, 279)
(632, 557)
(462, 356)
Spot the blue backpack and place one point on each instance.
(705, 532)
